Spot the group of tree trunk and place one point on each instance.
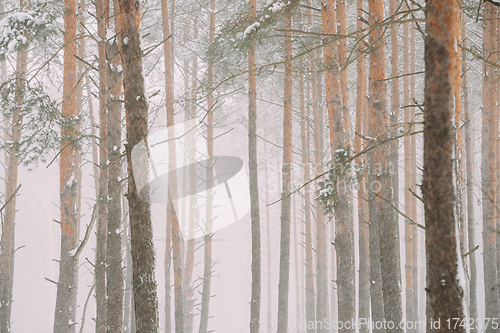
(325, 263)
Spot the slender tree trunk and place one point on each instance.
(471, 233)
(411, 312)
(254, 182)
(305, 141)
(7, 240)
(102, 13)
(385, 219)
(395, 108)
(67, 177)
(344, 73)
(286, 174)
(114, 274)
(361, 110)
(143, 258)
(443, 290)
(268, 245)
(207, 269)
(413, 171)
(169, 92)
(488, 167)
(128, 313)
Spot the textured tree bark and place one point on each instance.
(344, 228)
(284, 274)
(136, 108)
(102, 13)
(361, 112)
(254, 181)
(471, 232)
(385, 220)
(7, 240)
(67, 176)
(488, 167)
(114, 273)
(444, 293)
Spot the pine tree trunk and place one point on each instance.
(344, 227)
(385, 220)
(169, 92)
(344, 73)
(114, 274)
(411, 312)
(7, 240)
(67, 173)
(488, 167)
(208, 264)
(136, 108)
(361, 110)
(395, 109)
(102, 13)
(284, 274)
(254, 182)
(443, 290)
(471, 232)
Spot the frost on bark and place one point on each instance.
(114, 273)
(7, 240)
(284, 270)
(444, 294)
(67, 177)
(141, 233)
(381, 213)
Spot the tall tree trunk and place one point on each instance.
(395, 108)
(208, 264)
(344, 228)
(254, 181)
(114, 274)
(488, 166)
(128, 312)
(102, 13)
(410, 232)
(361, 110)
(67, 177)
(305, 141)
(136, 108)
(169, 92)
(284, 276)
(413, 169)
(471, 232)
(443, 253)
(321, 230)
(7, 248)
(385, 219)
(344, 73)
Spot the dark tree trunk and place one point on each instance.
(444, 293)
(114, 273)
(141, 233)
